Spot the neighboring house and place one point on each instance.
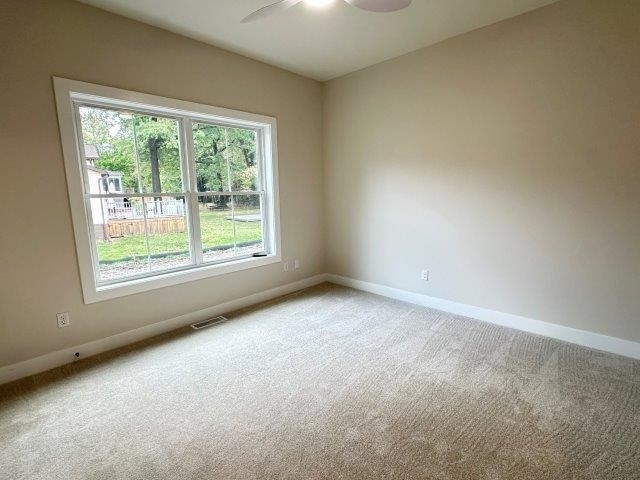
(107, 213)
(102, 181)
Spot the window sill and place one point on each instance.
(95, 294)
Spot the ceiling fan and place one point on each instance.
(369, 5)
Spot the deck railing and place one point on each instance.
(154, 209)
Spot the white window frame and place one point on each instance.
(70, 93)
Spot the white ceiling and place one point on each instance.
(320, 43)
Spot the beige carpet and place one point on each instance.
(330, 383)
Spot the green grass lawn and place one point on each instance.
(216, 231)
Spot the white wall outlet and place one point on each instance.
(425, 275)
(296, 264)
(285, 266)
(63, 319)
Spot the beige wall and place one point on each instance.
(506, 160)
(39, 271)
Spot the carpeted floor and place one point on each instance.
(330, 383)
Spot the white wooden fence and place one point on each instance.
(154, 209)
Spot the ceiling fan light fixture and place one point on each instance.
(318, 3)
(368, 5)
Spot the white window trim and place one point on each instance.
(66, 92)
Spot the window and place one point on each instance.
(164, 191)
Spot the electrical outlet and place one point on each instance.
(296, 264)
(285, 266)
(425, 275)
(63, 319)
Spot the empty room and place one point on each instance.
(320, 239)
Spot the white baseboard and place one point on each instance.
(62, 357)
(572, 335)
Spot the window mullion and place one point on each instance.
(191, 187)
(195, 238)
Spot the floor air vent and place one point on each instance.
(208, 323)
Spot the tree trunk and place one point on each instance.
(154, 144)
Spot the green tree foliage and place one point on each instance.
(215, 146)
(131, 143)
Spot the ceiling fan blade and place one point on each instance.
(380, 5)
(269, 9)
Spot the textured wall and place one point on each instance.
(40, 39)
(506, 160)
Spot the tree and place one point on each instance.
(97, 125)
(215, 146)
(146, 150)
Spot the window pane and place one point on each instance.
(130, 153)
(216, 227)
(209, 146)
(168, 233)
(225, 158)
(109, 150)
(119, 230)
(248, 224)
(158, 152)
(242, 159)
